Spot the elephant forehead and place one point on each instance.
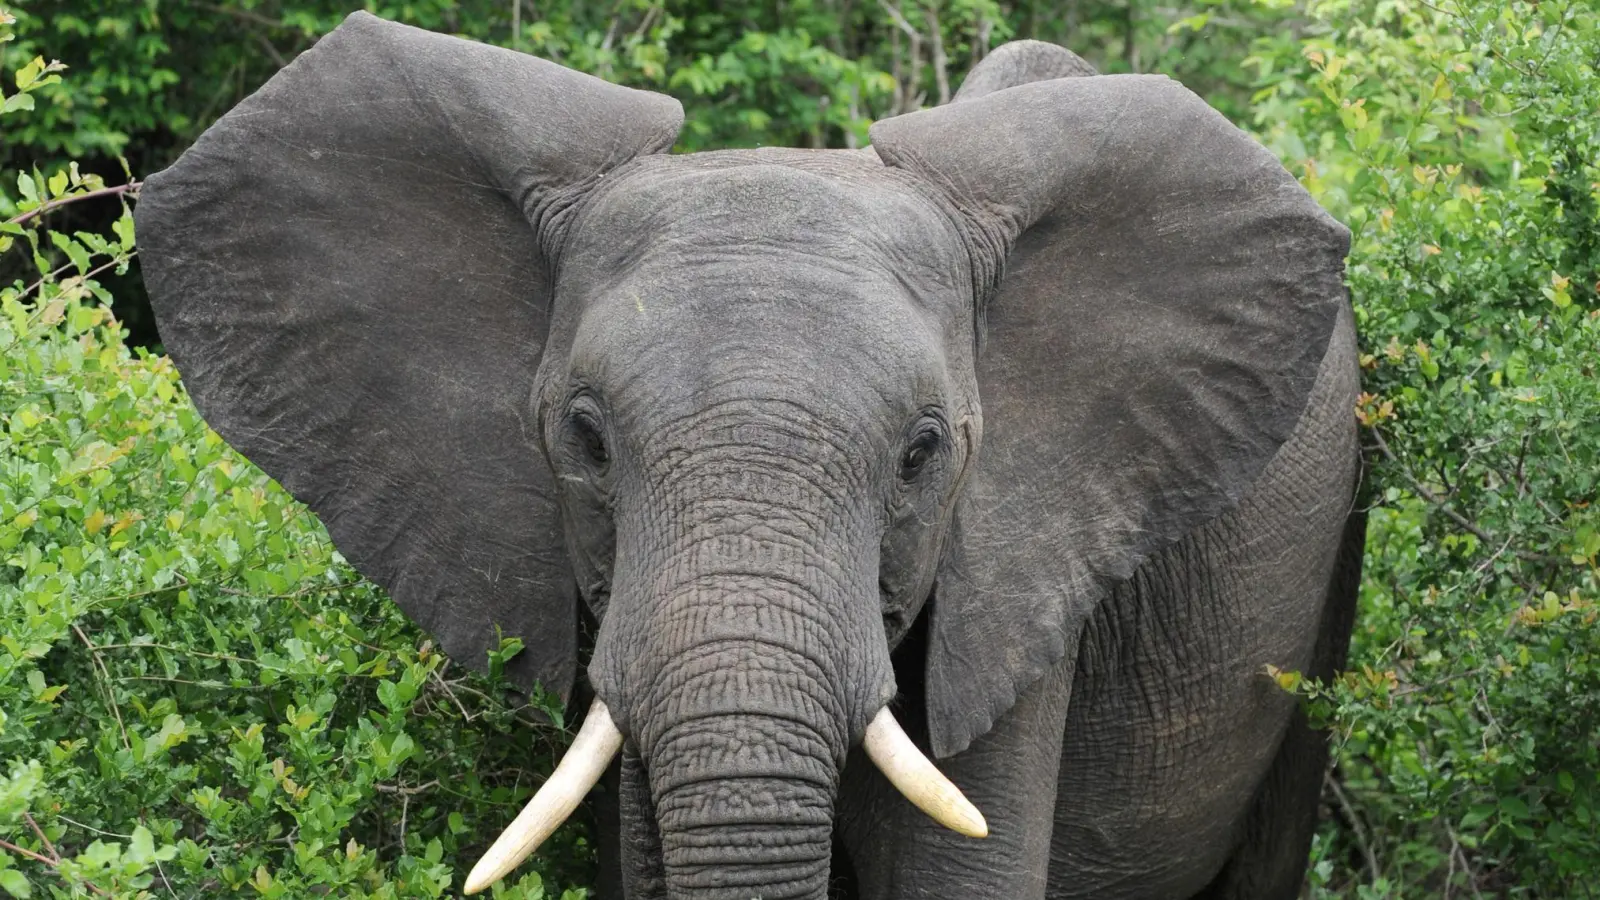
(678, 344)
(793, 272)
(774, 216)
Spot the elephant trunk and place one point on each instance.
(744, 735)
(745, 649)
(744, 803)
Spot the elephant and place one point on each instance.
(938, 507)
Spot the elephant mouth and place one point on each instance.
(599, 741)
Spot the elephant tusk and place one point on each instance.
(592, 750)
(912, 774)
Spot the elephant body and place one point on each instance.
(1030, 427)
(1161, 763)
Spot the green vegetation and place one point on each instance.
(198, 697)
(1461, 148)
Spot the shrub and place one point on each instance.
(197, 695)
(1460, 144)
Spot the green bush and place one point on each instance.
(198, 697)
(1461, 145)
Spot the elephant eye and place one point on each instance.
(586, 433)
(919, 453)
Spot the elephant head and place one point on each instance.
(759, 410)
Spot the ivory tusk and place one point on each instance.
(912, 774)
(592, 750)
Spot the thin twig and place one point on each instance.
(980, 41)
(611, 30)
(407, 791)
(445, 686)
(1494, 724)
(28, 853)
(1472, 29)
(163, 873)
(1466, 868)
(40, 832)
(1349, 813)
(909, 96)
(941, 65)
(1450, 872)
(111, 697)
(405, 808)
(271, 50)
(86, 276)
(1413, 688)
(899, 19)
(303, 592)
(54, 864)
(224, 87)
(1443, 505)
(245, 15)
(130, 187)
(209, 685)
(323, 622)
(77, 824)
(1484, 566)
(552, 51)
(524, 714)
(1173, 12)
(645, 23)
(172, 648)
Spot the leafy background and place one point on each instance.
(198, 697)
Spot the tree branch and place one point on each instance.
(1443, 505)
(245, 15)
(1348, 813)
(131, 187)
(54, 864)
(111, 697)
(907, 95)
(941, 65)
(40, 832)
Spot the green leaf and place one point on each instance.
(389, 696)
(142, 846)
(29, 73)
(1476, 816)
(1513, 807)
(123, 227)
(15, 883)
(74, 250)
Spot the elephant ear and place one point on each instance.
(350, 271)
(1020, 62)
(1169, 291)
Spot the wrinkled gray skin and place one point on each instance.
(1034, 419)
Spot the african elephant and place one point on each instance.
(1021, 441)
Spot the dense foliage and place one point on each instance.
(198, 697)
(1461, 147)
